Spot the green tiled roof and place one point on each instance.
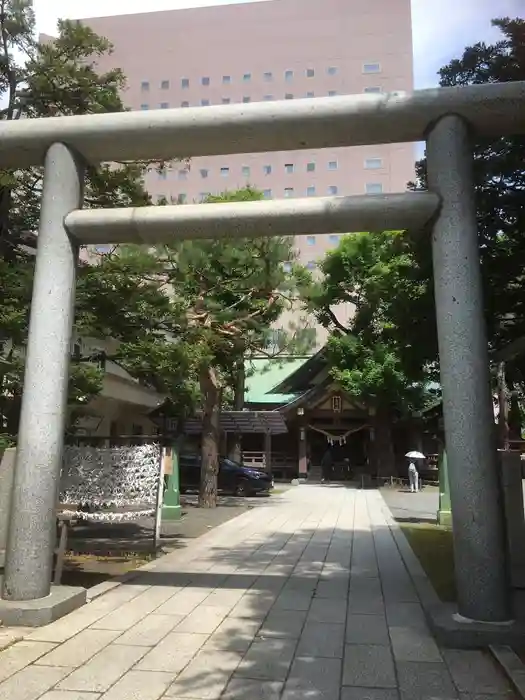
(263, 374)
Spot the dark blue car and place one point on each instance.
(234, 477)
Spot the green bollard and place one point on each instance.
(171, 508)
(444, 515)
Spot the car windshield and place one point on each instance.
(231, 463)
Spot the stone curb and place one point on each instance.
(512, 665)
(447, 629)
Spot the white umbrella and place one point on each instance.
(415, 455)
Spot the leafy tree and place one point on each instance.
(499, 173)
(222, 297)
(56, 78)
(372, 358)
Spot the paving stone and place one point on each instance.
(314, 677)
(268, 659)
(10, 635)
(247, 689)
(292, 601)
(135, 610)
(70, 625)
(475, 672)
(253, 606)
(422, 681)
(327, 610)
(68, 695)
(173, 653)
(369, 694)
(369, 666)
(224, 598)
(150, 631)
(414, 644)
(283, 623)
(183, 602)
(234, 634)
(321, 639)
(79, 649)
(366, 602)
(139, 685)
(367, 629)
(104, 669)
(406, 615)
(206, 676)
(31, 682)
(203, 620)
(20, 655)
(332, 589)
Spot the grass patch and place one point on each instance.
(432, 544)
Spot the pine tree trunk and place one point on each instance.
(210, 437)
(383, 448)
(235, 451)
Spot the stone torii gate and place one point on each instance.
(446, 118)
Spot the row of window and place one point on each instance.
(332, 190)
(289, 169)
(268, 76)
(266, 98)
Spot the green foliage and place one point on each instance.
(41, 80)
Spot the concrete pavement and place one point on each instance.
(307, 598)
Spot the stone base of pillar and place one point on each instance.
(444, 518)
(171, 513)
(451, 630)
(36, 613)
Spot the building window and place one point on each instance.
(310, 167)
(287, 266)
(267, 169)
(371, 68)
(204, 172)
(165, 85)
(225, 172)
(289, 168)
(310, 72)
(185, 83)
(331, 70)
(334, 238)
(332, 165)
(288, 191)
(332, 93)
(310, 94)
(144, 86)
(288, 96)
(372, 89)
(311, 265)
(310, 240)
(247, 77)
(181, 198)
(205, 81)
(267, 194)
(185, 104)
(205, 103)
(373, 163)
(226, 79)
(268, 98)
(162, 174)
(183, 174)
(144, 107)
(226, 100)
(374, 188)
(332, 189)
(268, 77)
(164, 105)
(310, 191)
(246, 171)
(246, 99)
(288, 75)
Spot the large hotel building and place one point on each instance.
(262, 51)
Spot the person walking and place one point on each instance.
(413, 477)
(326, 465)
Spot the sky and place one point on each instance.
(441, 29)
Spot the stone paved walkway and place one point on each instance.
(305, 599)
